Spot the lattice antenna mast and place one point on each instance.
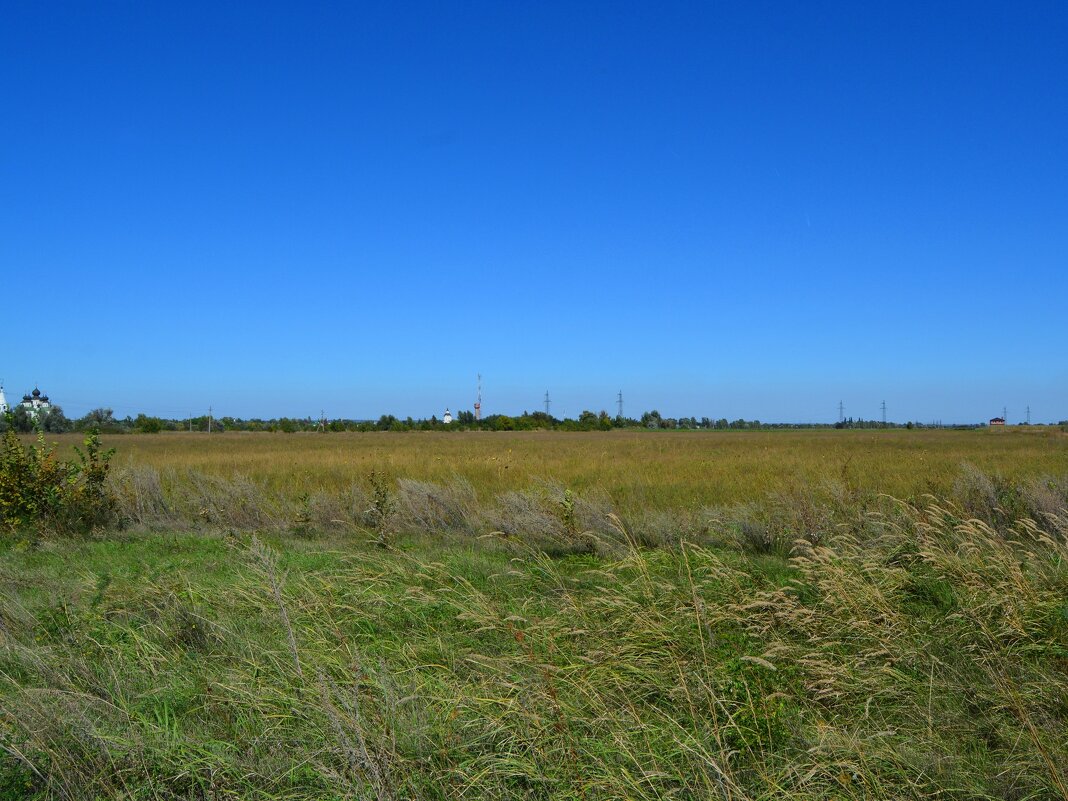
(478, 401)
(547, 402)
(619, 403)
(841, 412)
(1029, 414)
(884, 414)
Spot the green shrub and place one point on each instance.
(37, 489)
(383, 509)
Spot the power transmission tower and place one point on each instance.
(884, 414)
(619, 403)
(547, 403)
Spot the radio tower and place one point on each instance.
(841, 412)
(884, 414)
(547, 404)
(619, 403)
(478, 402)
(1029, 415)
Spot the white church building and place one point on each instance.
(35, 403)
(3, 400)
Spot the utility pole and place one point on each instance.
(619, 403)
(547, 404)
(884, 414)
(209, 419)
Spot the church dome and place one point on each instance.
(36, 392)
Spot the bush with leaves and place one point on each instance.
(39, 490)
(383, 511)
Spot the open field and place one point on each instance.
(637, 470)
(735, 616)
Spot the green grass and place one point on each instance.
(900, 653)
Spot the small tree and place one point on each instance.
(21, 420)
(587, 420)
(98, 419)
(54, 421)
(148, 425)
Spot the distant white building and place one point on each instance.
(3, 401)
(35, 403)
(445, 418)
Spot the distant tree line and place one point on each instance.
(54, 421)
(51, 421)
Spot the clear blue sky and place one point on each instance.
(723, 209)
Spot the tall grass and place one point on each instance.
(545, 513)
(638, 471)
(832, 645)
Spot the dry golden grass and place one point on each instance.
(638, 470)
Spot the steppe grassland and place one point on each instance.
(226, 645)
(637, 470)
